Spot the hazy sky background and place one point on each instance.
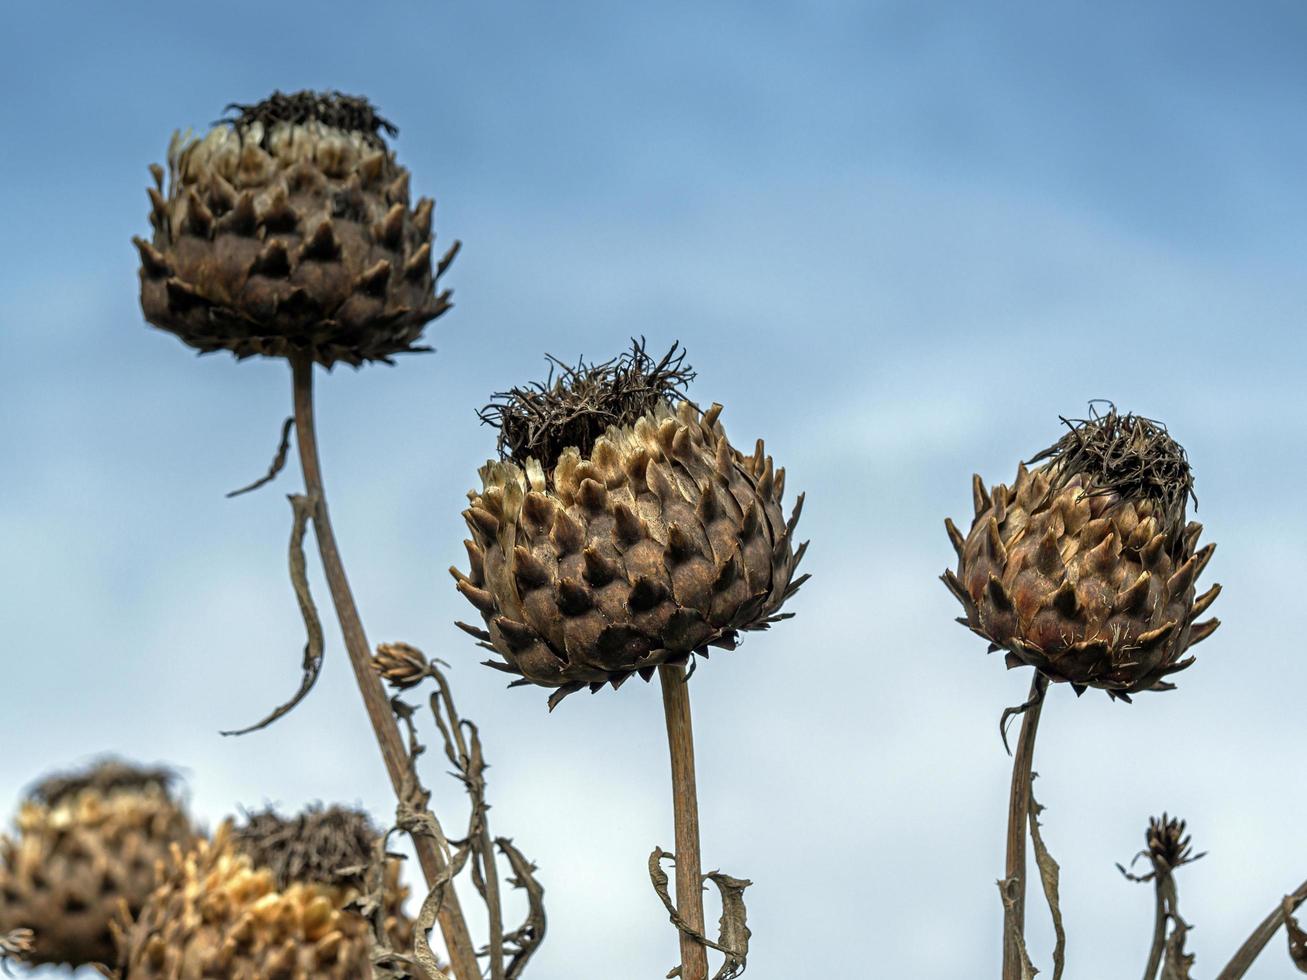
(898, 240)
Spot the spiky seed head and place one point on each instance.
(288, 229)
(400, 665)
(620, 529)
(268, 897)
(1085, 568)
(1168, 845)
(86, 846)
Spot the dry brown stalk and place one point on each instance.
(1014, 904)
(685, 809)
(452, 924)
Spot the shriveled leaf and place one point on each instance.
(1048, 875)
(523, 941)
(733, 940)
(304, 508)
(278, 461)
(1177, 963)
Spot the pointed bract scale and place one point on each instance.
(419, 264)
(998, 594)
(1201, 631)
(1182, 581)
(680, 546)
(199, 219)
(592, 495)
(422, 215)
(272, 261)
(1065, 601)
(321, 246)
(979, 498)
(397, 192)
(599, 571)
(529, 572)
(645, 594)
(153, 262)
(240, 220)
(1204, 601)
(629, 529)
(1132, 601)
(480, 598)
(486, 522)
(389, 231)
(954, 535)
(374, 279)
(994, 542)
(517, 635)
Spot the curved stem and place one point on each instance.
(1159, 932)
(1014, 916)
(1255, 943)
(685, 806)
(452, 925)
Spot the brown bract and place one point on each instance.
(662, 541)
(262, 901)
(86, 849)
(1088, 582)
(288, 229)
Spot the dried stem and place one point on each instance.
(1160, 917)
(452, 925)
(471, 766)
(1255, 943)
(685, 806)
(1014, 924)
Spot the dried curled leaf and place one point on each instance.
(733, 931)
(278, 462)
(304, 508)
(523, 941)
(1048, 874)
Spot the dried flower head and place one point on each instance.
(621, 530)
(274, 897)
(1168, 845)
(287, 229)
(87, 844)
(1085, 568)
(400, 665)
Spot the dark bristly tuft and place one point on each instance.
(332, 846)
(1127, 455)
(574, 408)
(105, 776)
(1168, 843)
(350, 113)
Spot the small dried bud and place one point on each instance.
(400, 665)
(1168, 846)
(16, 942)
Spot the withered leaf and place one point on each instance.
(278, 461)
(733, 937)
(304, 508)
(1048, 875)
(1007, 891)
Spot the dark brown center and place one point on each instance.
(351, 113)
(332, 846)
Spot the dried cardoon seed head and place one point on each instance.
(400, 665)
(330, 846)
(1168, 845)
(1085, 568)
(87, 844)
(621, 531)
(275, 897)
(287, 229)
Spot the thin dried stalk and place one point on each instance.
(405, 667)
(685, 808)
(1013, 885)
(434, 862)
(1254, 944)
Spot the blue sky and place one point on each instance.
(897, 239)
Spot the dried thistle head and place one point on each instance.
(620, 529)
(86, 846)
(287, 230)
(1168, 845)
(1085, 567)
(273, 897)
(400, 665)
(330, 846)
